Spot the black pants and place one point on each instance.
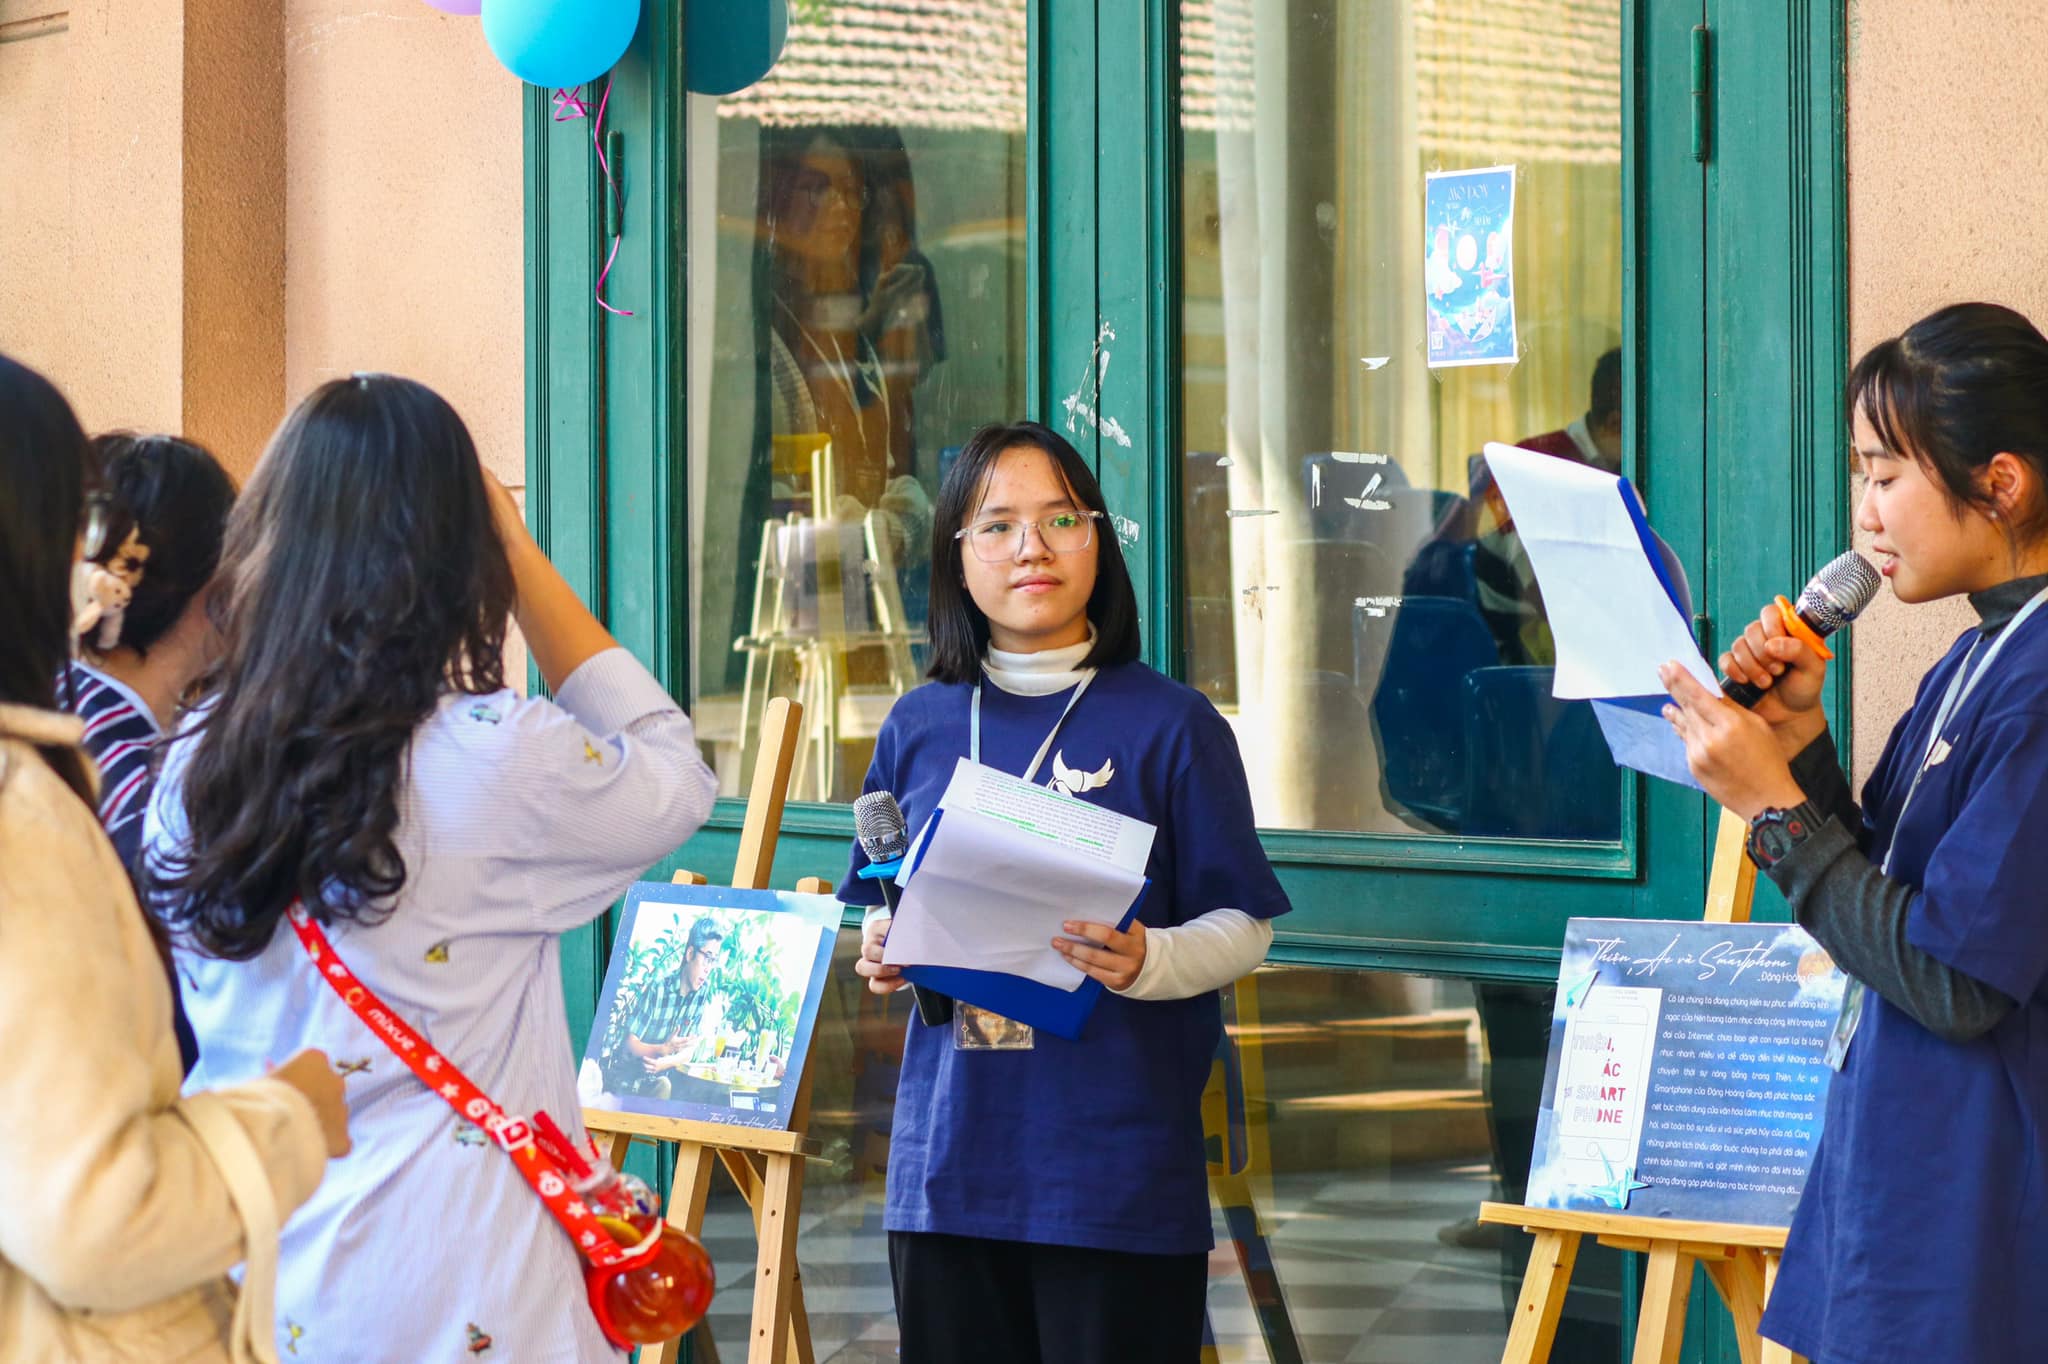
(967, 1300)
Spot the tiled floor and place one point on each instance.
(1365, 1277)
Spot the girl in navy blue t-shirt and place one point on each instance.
(1923, 1230)
(1048, 1199)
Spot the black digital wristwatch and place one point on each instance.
(1773, 834)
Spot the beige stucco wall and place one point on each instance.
(404, 211)
(91, 237)
(208, 206)
(1948, 200)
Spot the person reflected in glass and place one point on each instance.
(1594, 439)
(1501, 582)
(850, 327)
(854, 321)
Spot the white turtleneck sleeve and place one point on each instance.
(1206, 953)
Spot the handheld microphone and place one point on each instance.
(884, 837)
(1835, 596)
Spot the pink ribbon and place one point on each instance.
(571, 105)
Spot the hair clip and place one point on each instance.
(109, 587)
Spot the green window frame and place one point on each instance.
(1734, 336)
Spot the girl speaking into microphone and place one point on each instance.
(1047, 1199)
(1923, 1230)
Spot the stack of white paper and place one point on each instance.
(990, 885)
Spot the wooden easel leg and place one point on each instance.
(1667, 1289)
(1740, 1279)
(746, 1169)
(621, 1144)
(1773, 1352)
(1542, 1301)
(775, 1272)
(686, 1196)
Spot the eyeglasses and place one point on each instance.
(97, 517)
(999, 538)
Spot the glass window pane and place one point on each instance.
(1363, 311)
(861, 211)
(1360, 1121)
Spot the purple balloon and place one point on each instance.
(458, 6)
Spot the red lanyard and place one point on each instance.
(514, 1134)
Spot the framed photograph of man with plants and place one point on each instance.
(709, 1003)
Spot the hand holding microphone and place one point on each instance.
(885, 839)
(882, 978)
(1741, 752)
(1795, 633)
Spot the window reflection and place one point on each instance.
(1358, 602)
(1355, 1122)
(862, 212)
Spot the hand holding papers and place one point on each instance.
(1002, 866)
(1617, 602)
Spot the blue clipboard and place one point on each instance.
(1663, 559)
(1063, 1013)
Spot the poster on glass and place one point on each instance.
(1468, 268)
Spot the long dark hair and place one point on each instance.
(175, 497)
(959, 629)
(363, 577)
(1955, 389)
(45, 473)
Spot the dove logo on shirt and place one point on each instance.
(1069, 782)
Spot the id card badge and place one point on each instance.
(979, 1030)
(1845, 1025)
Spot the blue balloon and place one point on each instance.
(728, 47)
(559, 43)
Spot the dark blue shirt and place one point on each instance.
(1922, 1234)
(1096, 1142)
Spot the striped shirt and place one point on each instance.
(520, 819)
(120, 733)
(121, 736)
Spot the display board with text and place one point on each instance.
(1686, 1076)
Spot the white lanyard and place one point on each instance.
(974, 724)
(1959, 688)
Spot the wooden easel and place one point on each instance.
(767, 1165)
(1741, 1260)
(812, 660)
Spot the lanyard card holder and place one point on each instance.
(977, 1029)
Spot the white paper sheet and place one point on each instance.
(1612, 619)
(1072, 825)
(1005, 868)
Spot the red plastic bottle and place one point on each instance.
(666, 1283)
(661, 1292)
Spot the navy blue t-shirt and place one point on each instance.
(1096, 1142)
(1922, 1234)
